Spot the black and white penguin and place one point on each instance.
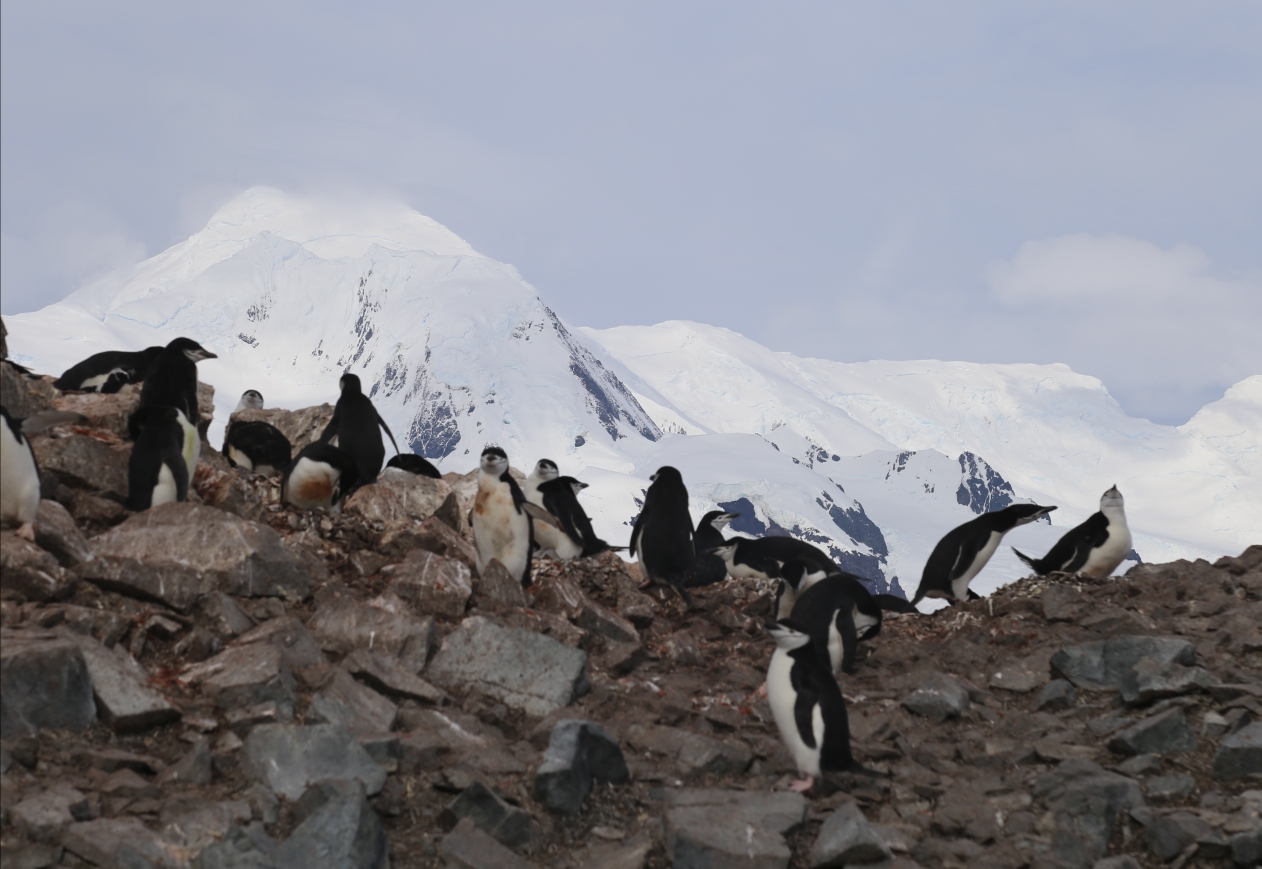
(808, 707)
(560, 499)
(19, 472)
(156, 473)
(414, 464)
(543, 471)
(109, 371)
(964, 551)
(661, 538)
(502, 526)
(551, 538)
(765, 558)
(251, 399)
(892, 603)
(257, 446)
(172, 382)
(356, 429)
(321, 475)
(1095, 548)
(838, 611)
(708, 568)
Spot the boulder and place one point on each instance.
(1165, 733)
(938, 698)
(339, 828)
(301, 427)
(27, 572)
(1246, 848)
(1086, 804)
(25, 396)
(497, 590)
(1169, 788)
(1155, 680)
(1108, 665)
(359, 709)
(1056, 695)
(691, 752)
(469, 847)
(509, 825)
(104, 412)
(595, 619)
(432, 583)
(298, 648)
(56, 533)
(384, 624)
(81, 461)
(435, 536)
(712, 828)
(579, 752)
(124, 699)
(177, 553)
(245, 676)
(398, 497)
(384, 673)
(1168, 835)
(42, 816)
(846, 839)
(122, 842)
(289, 758)
(1240, 754)
(524, 670)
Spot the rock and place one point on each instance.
(359, 709)
(44, 815)
(1168, 788)
(177, 553)
(433, 584)
(1155, 680)
(200, 824)
(398, 497)
(1086, 803)
(632, 854)
(383, 624)
(110, 759)
(383, 673)
(435, 536)
(244, 676)
(123, 842)
(193, 768)
(578, 753)
(25, 396)
(1140, 764)
(289, 758)
(44, 682)
(938, 698)
(847, 838)
(597, 620)
(713, 828)
(30, 856)
(558, 594)
(1056, 695)
(1168, 835)
(224, 615)
(1122, 861)
(56, 533)
(1213, 725)
(1164, 733)
(298, 648)
(1016, 679)
(526, 671)
(240, 848)
(496, 590)
(340, 830)
(692, 752)
(27, 572)
(1246, 849)
(127, 783)
(1240, 754)
(1108, 665)
(508, 824)
(102, 411)
(1064, 603)
(124, 699)
(468, 847)
(301, 427)
(84, 462)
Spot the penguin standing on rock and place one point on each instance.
(661, 538)
(251, 399)
(172, 382)
(544, 470)
(560, 499)
(355, 429)
(809, 709)
(838, 611)
(257, 446)
(19, 473)
(766, 557)
(551, 539)
(502, 526)
(964, 551)
(108, 372)
(1095, 548)
(320, 476)
(156, 473)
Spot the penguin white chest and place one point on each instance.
(783, 698)
(959, 586)
(499, 530)
(19, 479)
(165, 491)
(1104, 559)
(311, 484)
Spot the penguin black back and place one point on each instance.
(560, 498)
(356, 430)
(172, 379)
(321, 475)
(257, 446)
(1096, 547)
(414, 464)
(965, 550)
(109, 371)
(708, 568)
(662, 535)
(156, 472)
(837, 612)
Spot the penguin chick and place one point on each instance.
(1095, 548)
(560, 499)
(964, 551)
(108, 372)
(19, 472)
(502, 527)
(708, 568)
(320, 475)
(838, 612)
(251, 399)
(257, 446)
(808, 707)
(661, 538)
(156, 472)
(414, 464)
(356, 429)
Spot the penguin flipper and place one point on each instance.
(334, 422)
(390, 434)
(849, 640)
(541, 515)
(560, 503)
(1030, 562)
(892, 603)
(47, 419)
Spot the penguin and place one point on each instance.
(708, 568)
(108, 372)
(251, 399)
(1095, 548)
(809, 709)
(257, 446)
(414, 464)
(544, 470)
(765, 558)
(964, 551)
(550, 539)
(662, 537)
(892, 603)
(321, 475)
(156, 472)
(355, 429)
(172, 382)
(502, 526)
(838, 611)
(19, 472)
(560, 499)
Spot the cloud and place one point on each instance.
(1105, 268)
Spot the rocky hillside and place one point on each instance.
(230, 683)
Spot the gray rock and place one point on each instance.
(124, 699)
(383, 673)
(224, 615)
(1122, 861)
(384, 624)
(83, 462)
(1155, 680)
(1086, 804)
(1168, 788)
(44, 815)
(240, 848)
(398, 497)
(938, 698)
(30, 856)
(597, 620)
(25, 396)
(1168, 835)
(1213, 725)
(1056, 695)
(1246, 849)
(468, 847)
(508, 824)
(340, 830)
(123, 842)
(433, 535)
(179, 552)
(1240, 754)
(27, 572)
(1165, 733)
(198, 824)
(847, 838)
(356, 707)
(56, 532)
(706, 829)
(1108, 665)
(433, 584)
(693, 753)
(496, 590)
(578, 753)
(104, 412)
(44, 682)
(264, 803)
(244, 676)
(298, 648)
(193, 768)
(289, 758)
(1140, 764)
(526, 671)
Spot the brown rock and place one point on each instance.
(356, 707)
(384, 674)
(103, 412)
(384, 624)
(302, 427)
(298, 648)
(56, 532)
(244, 676)
(497, 590)
(398, 497)
(25, 396)
(81, 461)
(27, 572)
(557, 593)
(432, 583)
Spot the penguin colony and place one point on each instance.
(822, 613)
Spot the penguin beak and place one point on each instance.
(201, 353)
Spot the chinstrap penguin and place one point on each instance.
(502, 526)
(1095, 548)
(251, 399)
(560, 499)
(543, 471)
(172, 382)
(19, 472)
(708, 568)
(964, 551)
(550, 539)
(356, 429)
(414, 464)
(809, 709)
(838, 611)
(661, 538)
(765, 558)
(108, 372)
(321, 475)
(156, 472)
(257, 446)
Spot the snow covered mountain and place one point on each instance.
(873, 461)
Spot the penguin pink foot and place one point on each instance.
(803, 785)
(27, 531)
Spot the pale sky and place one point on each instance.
(990, 182)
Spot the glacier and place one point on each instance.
(873, 461)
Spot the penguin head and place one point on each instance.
(349, 384)
(1027, 513)
(1112, 499)
(576, 485)
(191, 349)
(666, 474)
(494, 461)
(718, 520)
(725, 552)
(546, 469)
(251, 399)
(788, 634)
